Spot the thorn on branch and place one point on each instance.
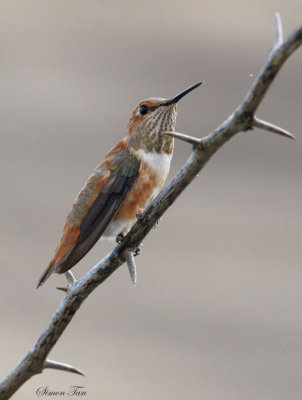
(63, 289)
(70, 277)
(156, 225)
(278, 31)
(129, 257)
(271, 128)
(62, 367)
(186, 138)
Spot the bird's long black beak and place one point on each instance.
(180, 95)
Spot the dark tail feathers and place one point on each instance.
(49, 270)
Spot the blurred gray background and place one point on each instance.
(216, 313)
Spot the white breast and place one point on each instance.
(158, 162)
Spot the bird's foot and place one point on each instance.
(120, 238)
(139, 216)
(138, 250)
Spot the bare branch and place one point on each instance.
(278, 31)
(241, 120)
(62, 367)
(186, 138)
(258, 123)
(130, 261)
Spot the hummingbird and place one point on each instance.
(121, 187)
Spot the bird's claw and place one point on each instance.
(139, 216)
(138, 250)
(119, 238)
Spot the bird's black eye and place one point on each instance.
(143, 109)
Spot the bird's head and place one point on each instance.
(150, 119)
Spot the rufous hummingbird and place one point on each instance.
(129, 177)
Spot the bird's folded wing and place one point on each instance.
(124, 171)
